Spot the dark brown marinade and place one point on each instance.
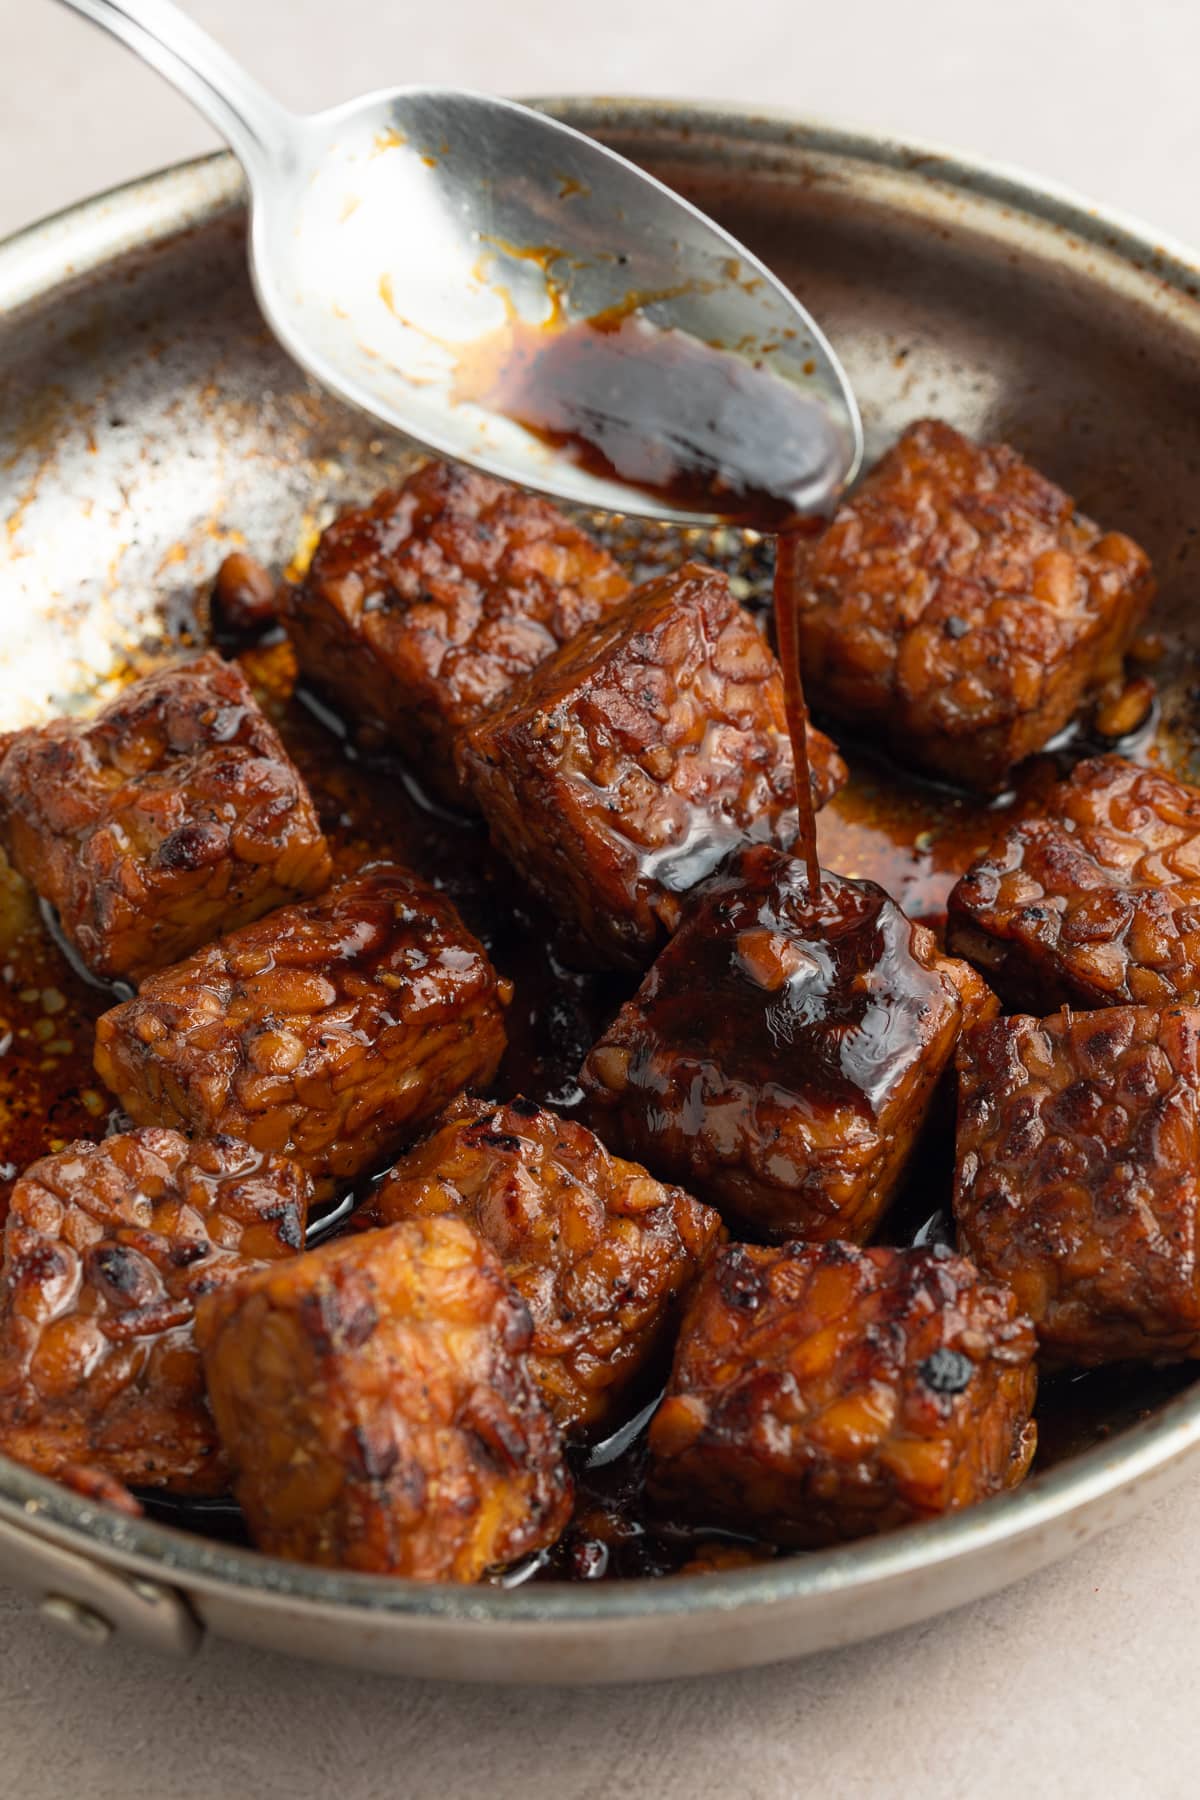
(657, 409)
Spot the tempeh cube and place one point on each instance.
(598, 1250)
(1094, 903)
(781, 1057)
(1079, 1176)
(376, 1407)
(960, 609)
(622, 770)
(174, 813)
(420, 609)
(107, 1249)
(822, 1392)
(328, 1031)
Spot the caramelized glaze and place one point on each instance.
(911, 837)
(781, 1058)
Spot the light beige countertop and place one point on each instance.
(1080, 1681)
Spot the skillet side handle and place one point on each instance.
(92, 1602)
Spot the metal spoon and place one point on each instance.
(392, 234)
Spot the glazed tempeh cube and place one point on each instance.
(1095, 903)
(618, 773)
(420, 609)
(172, 814)
(821, 1392)
(961, 609)
(107, 1249)
(328, 1031)
(781, 1056)
(377, 1410)
(1079, 1176)
(598, 1250)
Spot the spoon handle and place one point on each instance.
(254, 125)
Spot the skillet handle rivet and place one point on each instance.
(72, 1616)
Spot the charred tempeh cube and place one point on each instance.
(107, 1249)
(618, 773)
(821, 1392)
(597, 1249)
(1096, 902)
(1079, 1176)
(328, 1031)
(172, 814)
(420, 609)
(960, 608)
(781, 1056)
(377, 1410)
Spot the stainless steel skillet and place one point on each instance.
(145, 418)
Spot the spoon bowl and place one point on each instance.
(404, 239)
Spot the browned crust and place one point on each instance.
(959, 608)
(617, 774)
(329, 1031)
(377, 1408)
(599, 1251)
(781, 1057)
(821, 1392)
(419, 609)
(107, 1249)
(1095, 902)
(173, 813)
(1078, 1177)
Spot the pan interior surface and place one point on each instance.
(149, 424)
